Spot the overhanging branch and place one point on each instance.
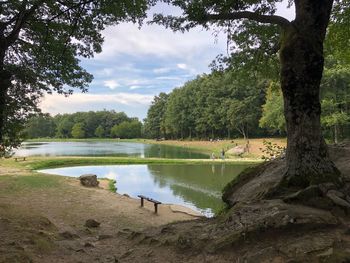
(267, 19)
(81, 3)
(21, 19)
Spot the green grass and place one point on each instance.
(37, 163)
(86, 140)
(112, 186)
(18, 183)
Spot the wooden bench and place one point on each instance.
(20, 158)
(155, 202)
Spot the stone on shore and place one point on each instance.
(89, 180)
(92, 223)
(238, 150)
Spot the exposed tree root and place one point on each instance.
(267, 220)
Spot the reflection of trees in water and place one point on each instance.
(198, 198)
(198, 184)
(222, 169)
(121, 149)
(166, 151)
(200, 176)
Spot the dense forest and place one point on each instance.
(223, 104)
(226, 104)
(241, 97)
(100, 124)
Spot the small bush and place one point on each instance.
(272, 151)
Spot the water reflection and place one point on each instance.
(95, 148)
(194, 186)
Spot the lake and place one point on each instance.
(197, 186)
(107, 148)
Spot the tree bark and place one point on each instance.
(302, 64)
(5, 82)
(336, 133)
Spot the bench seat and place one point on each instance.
(155, 202)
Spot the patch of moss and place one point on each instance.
(223, 211)
(244, 176)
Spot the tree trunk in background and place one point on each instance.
(335, 133)
(302, 62)
(5, 82)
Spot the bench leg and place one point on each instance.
(141, 202)
(156, 208)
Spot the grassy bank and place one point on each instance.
(80, 140)
(36, 163)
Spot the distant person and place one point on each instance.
(213, 156)
(223, 154)
(247, 146)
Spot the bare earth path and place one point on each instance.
(45, 223)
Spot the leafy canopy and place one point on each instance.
(212, 12)
(43, 40)
(41, 44)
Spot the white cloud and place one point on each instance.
(135, 87)
(168, 78)
(56, 103)
(137, 82)
(282, 10)
(157, 41)
(182, 66)
(106, 72)
(112, 84)
(161, 70)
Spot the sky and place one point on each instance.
(137, 64)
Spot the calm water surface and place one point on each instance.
(195, 186)
(121, 149)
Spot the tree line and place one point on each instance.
(228, 104)
(223, 104)
(99, 124)
(41, 47)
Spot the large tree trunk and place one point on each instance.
(302, 63)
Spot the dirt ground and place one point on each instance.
(46, 223)
(255, 145)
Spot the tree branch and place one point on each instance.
(267, 19)
(20, 21)
(69, 8)
(3, 25)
